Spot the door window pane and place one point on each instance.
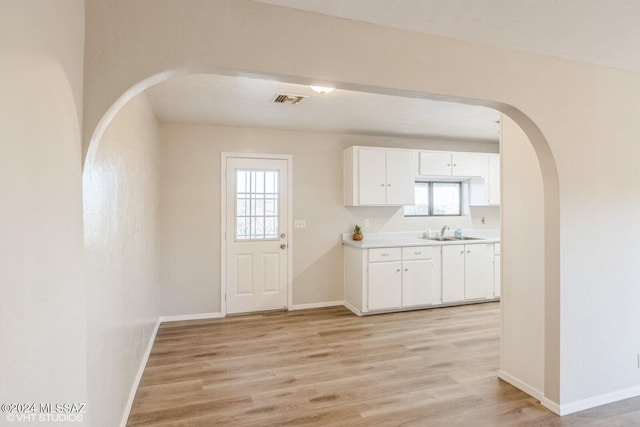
(256, 204)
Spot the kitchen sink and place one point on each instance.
(452, 239)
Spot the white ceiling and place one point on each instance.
(247, 102)
(602, 32)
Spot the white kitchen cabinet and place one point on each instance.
(379, 177)
(401, 177)
(467, 272)
(453, 273)
(478, 271)
(417, 276)
(434, 163)
(493, 187)
(385, 285)
(469, 164)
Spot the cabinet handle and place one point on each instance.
(455, 164)
(462, 253)
(406, 269)
(398, 271)
(384, 254)
(468, 252)
(388, 185)
(381, 185)
(417, 253)
(448, 164)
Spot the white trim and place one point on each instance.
(352, 308)
(531, 391)
(136, 381)
(223, 221)
(198, 316)
(599, 400)
(315, 305)
(552, 406)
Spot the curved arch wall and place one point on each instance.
(580, 120)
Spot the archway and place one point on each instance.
(546, 164)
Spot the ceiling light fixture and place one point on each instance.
(322, 89)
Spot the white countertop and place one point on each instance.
(416, 238)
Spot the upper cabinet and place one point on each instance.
(438, 163)
(379, 176)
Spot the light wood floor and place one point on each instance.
(327, 367)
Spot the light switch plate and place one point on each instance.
(300, 223)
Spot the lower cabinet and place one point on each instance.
(382, 279)
(400, 277)
(385, 285)
(467, 272)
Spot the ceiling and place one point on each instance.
(602, 32)
(248, 102)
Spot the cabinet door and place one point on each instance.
(372, 184)
(385, 285)
(494, 179)
(496, 276)
(453, 273)
(435, 163)
(416, 282)
(469, 164)
(401, 177)
(478, 272)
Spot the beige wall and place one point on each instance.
(42, 304)
(522, 282)
(121, 223)
(190, 209)
(581, 120)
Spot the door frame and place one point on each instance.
(223, 221)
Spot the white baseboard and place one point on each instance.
(552, 406)
(602, 399)
(198, 316)
(352, 308)
(531, 391)
(136, 382)
(315, 305)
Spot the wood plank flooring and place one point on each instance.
(327, 367)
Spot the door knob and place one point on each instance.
(283, 246)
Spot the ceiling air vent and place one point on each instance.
(287, 99)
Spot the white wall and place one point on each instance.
(522, 266)
(190, 209)
(581, 120)
(42, 307)
(121, 222)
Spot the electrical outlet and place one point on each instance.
(300, 223)
(366, 222)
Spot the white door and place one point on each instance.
(256, 234)
(478, 271)
(435, 164)
(401, 176)
(385, 282)
(416, 282)
(372, 177)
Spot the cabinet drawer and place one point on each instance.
(418, 252)
(385, 254)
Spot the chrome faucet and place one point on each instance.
(443, 229)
